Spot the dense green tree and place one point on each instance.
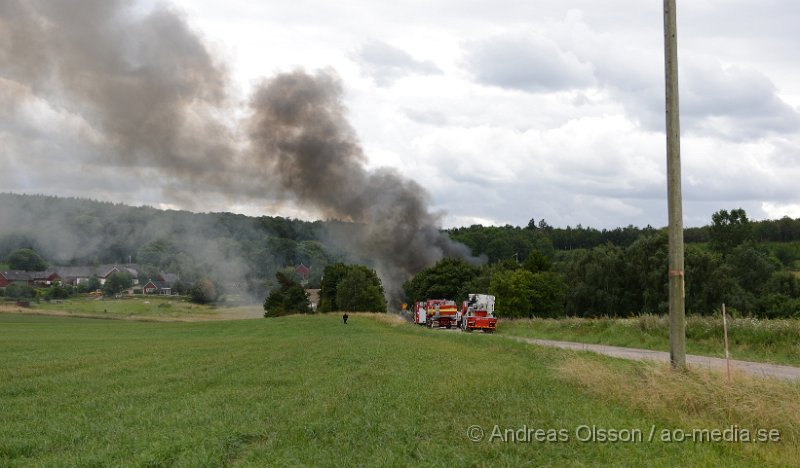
(94, 283)
(58, 291)
(599, 283)
(646, 274)
(88, 286)
(444, 280)
(513, 292)
(521, 293)
(701, 265)
(331, 278)
(27, 260)
(156, 253)
(537, 262)
(728, 230)
(780, 296)
(752, 266)
(288, 298)
(360, 291)
(117, 282)
(783, 282)
(548, 294)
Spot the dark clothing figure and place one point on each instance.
(345, 317)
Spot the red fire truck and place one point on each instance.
(477, 313)
(436, 313)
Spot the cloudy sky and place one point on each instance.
(502, 110)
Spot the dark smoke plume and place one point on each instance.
(145, 84)
(299, 126)
(150, 98)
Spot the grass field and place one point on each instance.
(138, 308)
(308, 390)
(775, 341)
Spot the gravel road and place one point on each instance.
(753, 368)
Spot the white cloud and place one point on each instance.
(527, 62)
(774, 211)
(385, 63)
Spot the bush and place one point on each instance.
(117, 282)
(58, 292)
(203, 292)
(289, 298)
(20, 291)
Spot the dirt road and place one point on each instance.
(753, 368)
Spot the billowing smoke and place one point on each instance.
(299, 127)
(141, 92)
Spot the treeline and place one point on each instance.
(498, 242)
(533, 270)
(530, 277)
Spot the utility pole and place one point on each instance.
(677, 319)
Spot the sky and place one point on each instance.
(502, 111)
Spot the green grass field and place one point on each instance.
(775, 341)
(308, 390)
(138, 308)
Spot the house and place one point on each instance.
(77, 275)
(304, 272)
(45, 278)
(157, 287)
(15, 276)
(30, 278)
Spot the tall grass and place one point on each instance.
(775, 341)
(697, 399)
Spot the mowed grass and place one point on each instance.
(775, 341)
(135, 308)
(308, 390)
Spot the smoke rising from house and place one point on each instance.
(142, 93)
(299, 128)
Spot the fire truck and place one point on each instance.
(420, 314)
(436, 313)
(477, 313)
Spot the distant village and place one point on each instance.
(78, 276)
(91, 278)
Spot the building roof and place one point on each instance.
(16, 275)
(101, 271)
(157, 285)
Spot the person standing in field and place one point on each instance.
(344, 318)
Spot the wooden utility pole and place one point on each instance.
(677, 319)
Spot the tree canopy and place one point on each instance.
(729, 229)
(288, 298)
(26, 259)
(117, 282)
(447, 279)
(351, 288)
